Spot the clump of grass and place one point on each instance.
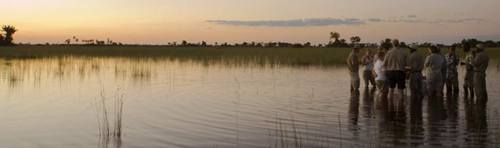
(101, 109)
(234, 56)
(340, 130)
(141, 72)
(102, 114)
(118, 113)
(289, 132)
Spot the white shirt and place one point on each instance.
(380, 69)
(368, 67)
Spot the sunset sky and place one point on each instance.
(296, 21)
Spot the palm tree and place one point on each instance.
(2, 41)
(334, 35)
(9, 31)
(355, 40)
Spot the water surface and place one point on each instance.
(57, 102)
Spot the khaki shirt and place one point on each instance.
(416, 62)
(480, 62)
(434, 64)
(396, 60)
(353, 62)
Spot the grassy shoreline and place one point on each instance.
(284, 56)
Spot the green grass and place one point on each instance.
(207, 55)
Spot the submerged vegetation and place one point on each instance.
(229, 55)
(106, 131)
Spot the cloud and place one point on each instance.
(292, 23)
(374, 20)
(453, 21)
(409, 21)
(337, 21)
(434, 21)
(412, 16)
(476, 19)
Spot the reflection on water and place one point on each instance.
(436, 114)
(416, 122)
(170, 103)
(110, 143)
(392, 122)
(477, 125)
(354, 113)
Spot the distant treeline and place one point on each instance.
(386, 43)
(335, 41)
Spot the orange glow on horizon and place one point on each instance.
(160, 22)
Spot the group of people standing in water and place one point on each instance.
(391, 68)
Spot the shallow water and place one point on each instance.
(57, 102)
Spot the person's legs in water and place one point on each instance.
(392, 80)
(354, 80)
(439, 90)
(366, 77)
(455, 85)
(401, 80)
(372, 80)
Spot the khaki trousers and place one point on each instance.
(480, 85)
(354, 80)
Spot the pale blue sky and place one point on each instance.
(163, 21)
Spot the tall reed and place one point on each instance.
(101, 110)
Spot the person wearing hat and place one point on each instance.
(480, 64)
(416, 66)
(353, 66)
(434, 63)
(452, 61)
(395, 62)
(469, 71)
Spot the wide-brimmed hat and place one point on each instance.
(413, 46)
(480, 46)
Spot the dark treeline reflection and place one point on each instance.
(419, 122)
